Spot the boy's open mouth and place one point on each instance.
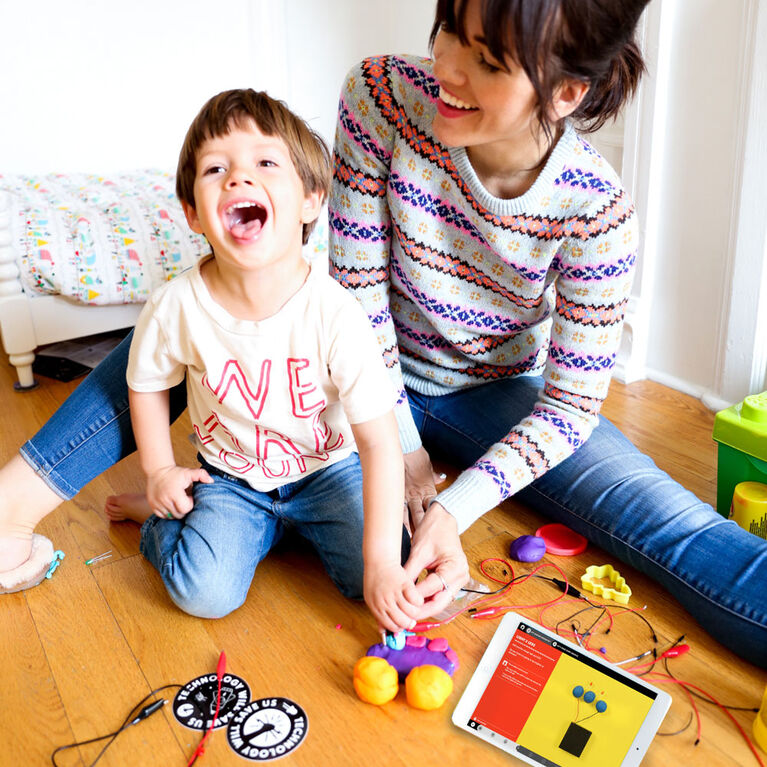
(244, 219)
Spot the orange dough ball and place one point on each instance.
(375, 680)
(428, 687)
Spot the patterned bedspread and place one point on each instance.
(99, 239)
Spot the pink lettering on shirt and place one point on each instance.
(308, 403)
(274, 452)
(233, 374)
(270, 445)
(236, 461)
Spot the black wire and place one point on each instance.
(639, 615)
(599, 618)
(678, 732)
(111, 735)
(499, 590)
(703, 697)
(573, 615)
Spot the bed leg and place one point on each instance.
(23, 365)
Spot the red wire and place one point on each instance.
(673, 680)
(697, 715)
(200, 750)
(551, 628)
(496, 559)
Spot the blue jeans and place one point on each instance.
(607, 490)
(207, 559)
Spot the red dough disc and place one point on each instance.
(561, 540)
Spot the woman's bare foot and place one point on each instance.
(24, 500)
(14, 551)
(132, 506)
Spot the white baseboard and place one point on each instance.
(710, 399)
(714, 402)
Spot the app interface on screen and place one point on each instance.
(560, 707)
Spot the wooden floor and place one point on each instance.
(81, 649)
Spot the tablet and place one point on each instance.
(549, 702)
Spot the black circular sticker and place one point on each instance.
(267, 729)
(195, 703)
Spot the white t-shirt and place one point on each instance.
(270, 401)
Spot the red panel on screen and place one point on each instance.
(516, 684)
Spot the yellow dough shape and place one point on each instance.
(621, 591)
(427, 687)
(375, 680)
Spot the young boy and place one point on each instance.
(284, 381)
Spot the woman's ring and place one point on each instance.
(445, 587)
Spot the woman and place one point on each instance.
(493, 250)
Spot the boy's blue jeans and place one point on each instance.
(208, 558)
(607, 490)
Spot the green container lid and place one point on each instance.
(744, 426)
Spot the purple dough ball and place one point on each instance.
(527, 548)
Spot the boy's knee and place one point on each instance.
(349, 580)
(351, 590)
(207, 600)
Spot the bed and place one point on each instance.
(80, 253)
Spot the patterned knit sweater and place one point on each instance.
(463, 288)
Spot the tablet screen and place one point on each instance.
(560, 706)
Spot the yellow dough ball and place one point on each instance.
(375, 680)
(428, 687)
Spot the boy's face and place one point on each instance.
(249, 199)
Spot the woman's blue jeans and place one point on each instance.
(607, 490)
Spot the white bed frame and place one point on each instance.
(27, 322)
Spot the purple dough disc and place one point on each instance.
(527, 548)
(435, 652)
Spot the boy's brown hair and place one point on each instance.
(308, 151)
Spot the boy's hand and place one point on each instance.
(391, 596)
(166, 490)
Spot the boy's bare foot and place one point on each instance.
(132, 506)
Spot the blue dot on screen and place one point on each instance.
(577, 691)
(589, 696)
(601, 706)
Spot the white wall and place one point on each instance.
(104, 86)
(687, 156)
(701, 163)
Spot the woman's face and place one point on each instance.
(482, 101)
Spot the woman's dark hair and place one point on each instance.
(587, 40)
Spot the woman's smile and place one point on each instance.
(449, 105)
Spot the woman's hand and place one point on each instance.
(420, 486)
(166, 490)
(436, 548)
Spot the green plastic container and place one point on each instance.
(741, 431)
